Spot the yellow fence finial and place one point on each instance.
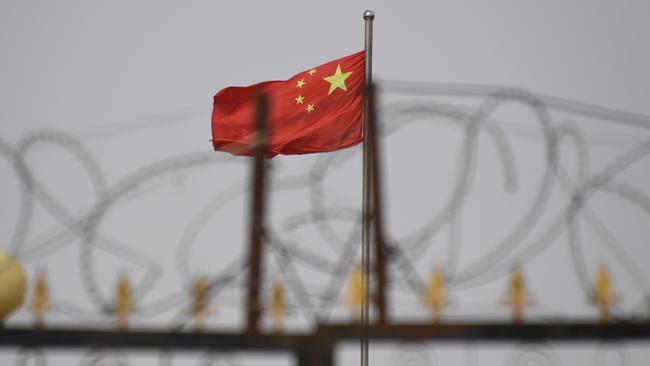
(355, 292)
(435, 295)
(517, 297)
(604, 297)
(277, 308)
(200, 303)
(40, 303)
(123, 302)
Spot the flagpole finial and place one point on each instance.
(368, 14)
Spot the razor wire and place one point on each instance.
(404, 253)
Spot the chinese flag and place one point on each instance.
(317, 110)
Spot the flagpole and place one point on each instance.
(368, 16)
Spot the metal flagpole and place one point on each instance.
(369, 16)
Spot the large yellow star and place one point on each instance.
(337, 80)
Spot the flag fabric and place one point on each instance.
(317, 110)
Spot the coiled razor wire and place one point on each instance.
(403, 253)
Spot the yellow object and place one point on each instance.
(12, 284)
(517, 296)
(355, 292)
(337, 81)
(200, 308)
(603, 295)
(40, 303)
(435, 295)
(123, 302)
(278, 307)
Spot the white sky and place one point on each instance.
(90, 68)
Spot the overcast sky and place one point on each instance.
(134, 81)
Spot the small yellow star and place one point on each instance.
(310, 108)
(301, 82)
(311, 72)
(337, 80)
(299, 99)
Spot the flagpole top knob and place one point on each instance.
(368, 14)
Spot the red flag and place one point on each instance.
(317, 110)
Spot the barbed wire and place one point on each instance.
(404, 253)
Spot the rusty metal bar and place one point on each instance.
(257, 219)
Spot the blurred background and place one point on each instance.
(513, 134)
